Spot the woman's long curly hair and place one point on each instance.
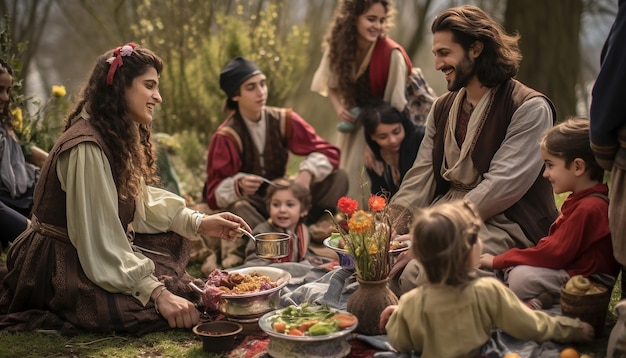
(443, 238)
(5, 112)
(342, 41)
(129, 142)
(501, 55)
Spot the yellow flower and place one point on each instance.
(360, 222)
(373, 249)
(58, 91)
(18, 118)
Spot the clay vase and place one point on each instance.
(367, 303)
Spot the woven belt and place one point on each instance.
(53, 231)
(60, 233)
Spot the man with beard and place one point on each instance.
(481, 142)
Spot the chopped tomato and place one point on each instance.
(304, 326)
(279, 326)
(295, 332)
(345, 320)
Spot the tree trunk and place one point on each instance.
(550, 32)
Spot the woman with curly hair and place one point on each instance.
(105, 250)
(361, 64)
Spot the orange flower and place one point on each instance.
(361, 222)
(367, 235)
(376, 203)
(347, 205)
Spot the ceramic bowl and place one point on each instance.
(345, 260)
(285, 346)
(218, 336)
(250, 306)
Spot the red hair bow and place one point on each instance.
(116, 60)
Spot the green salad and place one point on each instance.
(308, 320)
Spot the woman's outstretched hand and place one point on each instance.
(179, 312)
(223, 225)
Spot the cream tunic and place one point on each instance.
(452, 322)
(512, 171)
(94, 227)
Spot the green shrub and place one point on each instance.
(212, 34)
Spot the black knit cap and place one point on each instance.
(236, 72)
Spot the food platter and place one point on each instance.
(282, 345)
(248, 307)
(281, 277)
(401, 246)
(265, 323)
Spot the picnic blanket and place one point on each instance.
(332, 285)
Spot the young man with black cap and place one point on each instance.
(253, 143)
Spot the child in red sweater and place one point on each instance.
(579, 241)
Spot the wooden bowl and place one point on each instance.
(218, 336)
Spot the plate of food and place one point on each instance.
(397, 246)
(335, 242)
(245, 293)
(307, 330)
(308, 322)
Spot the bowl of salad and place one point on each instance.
(308, 330)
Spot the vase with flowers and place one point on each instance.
(366, 236)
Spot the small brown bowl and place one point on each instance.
(218, 336)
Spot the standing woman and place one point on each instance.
(360, 65)
(104, 251)
(394, 140)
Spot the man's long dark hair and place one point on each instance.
(501, 56)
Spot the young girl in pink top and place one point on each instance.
(579, 241)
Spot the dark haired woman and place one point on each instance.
(394, 140)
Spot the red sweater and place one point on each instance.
(579, 240)
(225, 161)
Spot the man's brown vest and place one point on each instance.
(273, 163)
(50, 199)
(536, 210)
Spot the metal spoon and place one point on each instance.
(247, 233)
